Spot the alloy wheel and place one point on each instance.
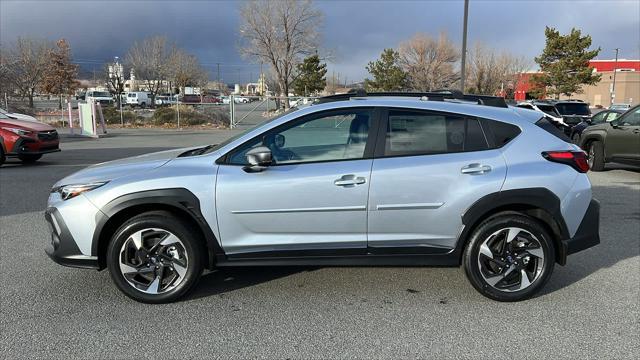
(592, 155)
(511, 259)
(153, 261)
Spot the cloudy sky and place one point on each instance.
(354, 31)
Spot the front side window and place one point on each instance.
(338, 135)
(631, 118)
(612, 116)
(418, 133)
(598, 118)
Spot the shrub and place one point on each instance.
(112, 116)
(190, 116)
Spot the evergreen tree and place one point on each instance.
(564, 63)
(387, 73)
(311, 76)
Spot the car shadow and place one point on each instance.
(227, 279)
(618, 238)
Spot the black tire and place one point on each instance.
(193, 247)
(596, 156)
(471, 257)
(3, 157)
(29, 158)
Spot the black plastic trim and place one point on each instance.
(179, 198)
(356, 260)
(587, 235)
(541, 198)
(63, 249)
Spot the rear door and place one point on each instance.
(429, 168)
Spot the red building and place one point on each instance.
(600, 66)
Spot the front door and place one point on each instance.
(623, 138)
(311, 201)
(430, 169)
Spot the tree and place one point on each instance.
(564, 62)
(428, 62)
(311, 76)
(491, 72)
(115, 79)
(150, 61)
(387, 73)
(185, 70)
(280, 33)
(25, 66)
(60, 74)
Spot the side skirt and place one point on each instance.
(354, 260)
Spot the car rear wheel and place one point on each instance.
(154, 258)
(596, 156)
(2, 155)
(29, 158)
(509, 257)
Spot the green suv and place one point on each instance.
(615, 141)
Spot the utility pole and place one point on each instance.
(463, 62)
(218, 64)
(613, 87)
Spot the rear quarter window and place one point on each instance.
(501, 133)
(552, 129)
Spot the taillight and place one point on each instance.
(575, 159)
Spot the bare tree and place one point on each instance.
(61, 73)
(115, 79)
(150, 60)
(26, 64)
(491, 73)
(280, 33)
(185, 70)
(428, 62)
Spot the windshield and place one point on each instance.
(242, 133)
(549, 110)
(101, 94)
(573, 109)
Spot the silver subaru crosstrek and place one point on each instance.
(354, 180)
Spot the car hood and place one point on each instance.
(118, 168)
(27, 125)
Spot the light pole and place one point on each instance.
(463, 62)
(613, 87)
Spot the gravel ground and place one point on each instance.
(589, 309)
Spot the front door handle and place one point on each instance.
(475, 169)
(349, 180)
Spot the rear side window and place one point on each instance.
(421, 133)
(501, 133)
(552, 129)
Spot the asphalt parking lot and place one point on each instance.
(589, 309)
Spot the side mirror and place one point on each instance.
(259, 158)
(614, 124)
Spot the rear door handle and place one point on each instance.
(350, 180)
(475, 169)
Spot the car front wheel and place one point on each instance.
(596, 156)
(509, 257)
(29, 158)
(154, 258)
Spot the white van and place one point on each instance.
(138, 98)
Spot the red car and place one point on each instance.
(26, 140)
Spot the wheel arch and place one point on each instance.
(178, 201)
(538, 203)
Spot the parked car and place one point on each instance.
(190, 99)
(623, 107)
(543, 107)
(100, 97)
(241, 100)
(599, 118)
(138, 98)
(377, 180)
(165, 100)
(614, 141)
(26, 140)
(17, 116)
(573, 112)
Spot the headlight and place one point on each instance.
(70, 191)
(20, 132)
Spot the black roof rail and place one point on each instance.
(437, 95)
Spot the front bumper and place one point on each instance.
(587, 235)
(63, 249)
(29, 146)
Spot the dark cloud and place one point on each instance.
(354, 31)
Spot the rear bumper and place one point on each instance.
(587, 235)
(62, 247)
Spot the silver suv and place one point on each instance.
(355, 179)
